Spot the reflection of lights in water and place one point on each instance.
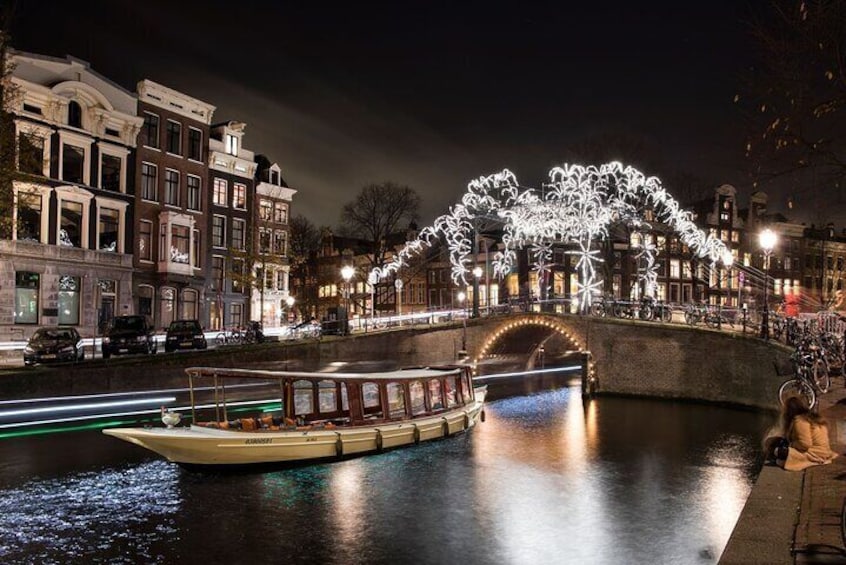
(552, 497)
(724, 489)
(592, 425)
(348, 502)
(50, 517)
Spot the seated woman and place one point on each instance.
(807, 438)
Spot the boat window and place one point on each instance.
(327, 396)
(435, 393)
(449, 390)
(345, 401)
(468, 386)
(396, 400)
(418, 398)
(370, 395)
(303, 397)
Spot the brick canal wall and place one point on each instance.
(632, 358)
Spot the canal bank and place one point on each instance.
(796, 517)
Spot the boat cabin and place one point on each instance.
(341, 399)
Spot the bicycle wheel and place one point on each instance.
(822, 379)
(666, 314)
(220, 339)
(797, 387)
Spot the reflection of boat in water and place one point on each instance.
(322, 415)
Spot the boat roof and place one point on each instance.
(412, 373)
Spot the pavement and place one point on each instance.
(796, 517)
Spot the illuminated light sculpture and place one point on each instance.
(576, 208)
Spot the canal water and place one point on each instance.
(545, 479)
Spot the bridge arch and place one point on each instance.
(547, 330)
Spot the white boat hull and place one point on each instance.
(198, 445)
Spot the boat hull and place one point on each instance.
(201, 446)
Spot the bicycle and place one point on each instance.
(232, 336)
(811, 376)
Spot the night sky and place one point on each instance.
(432, 94)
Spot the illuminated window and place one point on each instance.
(231, 144)
(396, 400)
(145, 240)
(239, 196)
(219, 194)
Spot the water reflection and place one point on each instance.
(545, 479)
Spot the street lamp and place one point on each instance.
(461, 298)
(477, 274)
(290, 302)
(398, 287)
(727, 259)
(347, 272)
(767, 239)
(372, 279)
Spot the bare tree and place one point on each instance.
(303, 244)
(794, 97)
(8, 145)
(378, 211)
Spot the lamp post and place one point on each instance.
(347, 272)
(477, 274)
(462, 296)
(767, 239)
(289, 301)
(372, 279)
(398, 287)
(727, 259)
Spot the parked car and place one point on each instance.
(185, 334)
(129, 334)
(54, 344)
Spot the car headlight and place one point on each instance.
(141, 339)
(106, 341)
(29, 349)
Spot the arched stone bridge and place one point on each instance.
(627, 357)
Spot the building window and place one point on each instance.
(174, 137)
(264, 241)
(110, 173)
(68, 301)
(109, 226)
(237, 275)
(195, 201)
(675, 268)
(268, 279)
(265, 209)
(231, 144)
(196, 243)
(150, 130)
(26, 297)
(217, 267)
(280, 213)
(218, 231)
(195, 144)
(29, 217)
(219, 194)
(145, 240)
(189, 305)
(237, 311)
(70, 231)
(30, 154)
(74, 114)
(239, 196)
(149, 180)
(171, 187)
(73, 163)
(280, 240)
(281, 279)
(167, 305)
(180, 244)
(238, 230)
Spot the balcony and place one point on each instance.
(62, 254)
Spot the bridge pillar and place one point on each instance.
(588, 378)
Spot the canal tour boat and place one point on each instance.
(321, 415)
